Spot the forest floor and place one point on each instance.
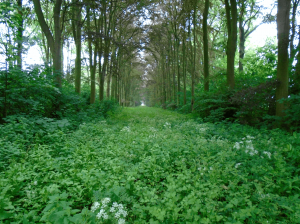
(148, 165)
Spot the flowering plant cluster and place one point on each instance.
(247, 144)
(183, 172)
(104, 212)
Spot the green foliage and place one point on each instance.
(292, 114)
(259, 64)
(162, 167)
(33, 111)
(30, 92)
(256, 102)
(214, 106)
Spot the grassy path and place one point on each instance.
(159, 167)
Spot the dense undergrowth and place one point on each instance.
(33, 111)
(146, 165)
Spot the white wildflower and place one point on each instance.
(250, 146)
(237, 165)
(126, 129)
(199, 168)
(268, 154)
(153, 129)
(210, 168)
(167, 125)
(104, 202)
(121, 221)
(112, 209)
(105, 216)
(117, 215)
(237, 145)
(124, 213)
(35, 183)
(101, 213)
(95, 206)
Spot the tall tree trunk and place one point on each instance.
(231, 15)
(100, 54)
(54, 41)
(108, 78)
(20, 34)
(194, 58)
(205, 47)
(242, 36)
(184, 62)
(91, 62)
(283, 29)
(76, 28)
(241, 46)
(293, 50)
(297, 68)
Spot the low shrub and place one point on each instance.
(253, 103)
(215, 107)
(292, 115)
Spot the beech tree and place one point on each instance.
(283, 29)
(76, 30)
(231, 15)
(54, 39)
(205, 47)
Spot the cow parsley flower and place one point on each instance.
(126, 129)
(112, 211)
(104, 202)
(121, 221)
(237, 165)
(268, 154)
(167, 125)
(102, 213)
(117, 215)
(237, 145)
(95, 206)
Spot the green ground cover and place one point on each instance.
(147, 165)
